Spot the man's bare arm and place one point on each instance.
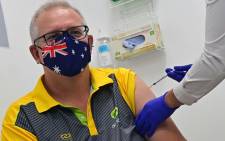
(167, 130)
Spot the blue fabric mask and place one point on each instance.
(68, 58)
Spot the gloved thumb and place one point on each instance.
(168, 70)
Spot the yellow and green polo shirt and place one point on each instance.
(43, 102)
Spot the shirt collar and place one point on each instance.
(44, 101)
(99, 78)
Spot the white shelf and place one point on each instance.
(131, 14)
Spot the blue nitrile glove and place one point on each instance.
(154, 113)
(178, 72)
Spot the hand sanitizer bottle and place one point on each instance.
(104, 54)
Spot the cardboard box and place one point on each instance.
(152, 40)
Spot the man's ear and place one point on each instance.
(34, 52)
(90, 41)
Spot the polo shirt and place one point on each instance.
(43, 102)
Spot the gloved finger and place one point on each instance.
(168, 70)
(139, 127)
(152, 131)
(175, 76)
(179, 78)
(183, 68)
(145, 128)
(180, 72)
(140, 122)
(172, 74)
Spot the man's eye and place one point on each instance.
(52, 37)
(76, 33)
(41, 42)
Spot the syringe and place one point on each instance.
(159, 80)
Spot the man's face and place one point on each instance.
(57, 19)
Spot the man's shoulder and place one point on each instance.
(126, 82)
(14, 108)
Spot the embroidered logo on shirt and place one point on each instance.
(66, 137)
(114, 113)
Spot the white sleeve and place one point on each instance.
(209, 70)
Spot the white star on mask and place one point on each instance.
(56, 69)
(82, 69)
(77, 42)
(82, 55)
(85, 49)
(73, 52)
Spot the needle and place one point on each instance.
(159, 80)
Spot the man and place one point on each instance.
(72, 102)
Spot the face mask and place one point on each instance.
(68, 58)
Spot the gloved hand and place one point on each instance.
(178, 72)
(154, 112)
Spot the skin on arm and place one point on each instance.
(171, 100)
(167, 130)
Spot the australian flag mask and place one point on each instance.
(68, 58)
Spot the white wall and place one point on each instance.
(18, 71)
(182, 24)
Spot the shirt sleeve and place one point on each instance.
(126, 80)
(13, 133)
(209, 70)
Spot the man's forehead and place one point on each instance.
(58, 19)
(59, 11)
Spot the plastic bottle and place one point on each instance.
(104, 54)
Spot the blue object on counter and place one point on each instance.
(133, 42)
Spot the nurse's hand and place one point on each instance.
(152, 115)
(178, 72)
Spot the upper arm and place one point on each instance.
(143, 94)
(167, 130)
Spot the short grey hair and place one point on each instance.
(45, 7)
